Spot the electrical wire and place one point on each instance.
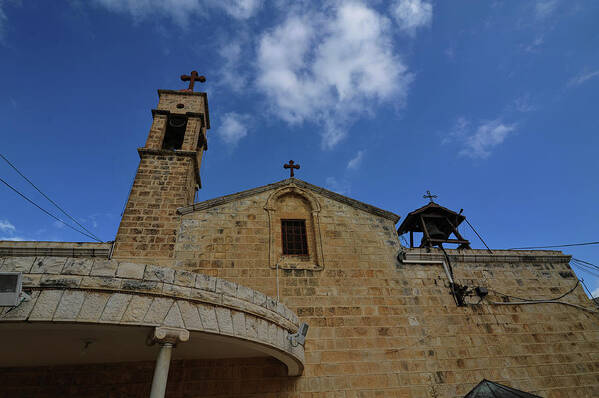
(46, 211)
(587, 289)
(542, 301)
(585, 262)
(479, 237)
(526, 299)
(50, 200)
(588, 270)
(548, 247)
(545, 302)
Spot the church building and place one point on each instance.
(284, 290)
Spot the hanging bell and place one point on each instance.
(434, 231)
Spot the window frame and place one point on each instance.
(303, 235)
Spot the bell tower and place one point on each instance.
(167, 177)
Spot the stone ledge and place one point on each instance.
(483, 256)
(131, 309)
(102, 275)
(60, 249)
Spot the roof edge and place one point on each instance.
(221, 200)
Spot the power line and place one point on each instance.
(588, 290)
(548, 247)
(50, 200)
(46, 211)
(585, 262)
(588, 270)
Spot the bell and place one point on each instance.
(434, 232)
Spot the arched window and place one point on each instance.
(294, 230)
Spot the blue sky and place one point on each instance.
(492, 105)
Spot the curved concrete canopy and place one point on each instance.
(119, 304)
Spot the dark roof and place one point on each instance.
(412, 221)
(490, 389)
(290, 181)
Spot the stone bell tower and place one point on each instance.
(167, 177)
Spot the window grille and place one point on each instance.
(294, 237)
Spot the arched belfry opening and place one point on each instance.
(174, 133)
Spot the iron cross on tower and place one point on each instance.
(192, 79)
(291, 166)
(429, 196)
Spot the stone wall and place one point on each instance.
(382, 328)
(379, 328)
(164, 182)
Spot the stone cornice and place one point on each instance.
(483, 256)
(152, 280)
(291, 182)
(194, 94)
(177, 92)
(62, 249)
(166, 112)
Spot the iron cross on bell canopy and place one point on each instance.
(430, 196)
(192, 78)
(291, 166)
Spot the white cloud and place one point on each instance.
(3, 21)
(240, 9)
(487, 136)
(58, 224)
(478, 141)
(583, 77)
(595, 292)
(9, 230)
(412, 14)
(535, 44)
(233, 128)
(6, 226)
(544, 8)
(230, 72)
(524, 104)
(180, 11)
(12, 238)
(355, 163)
(330, 67)
(341, 187)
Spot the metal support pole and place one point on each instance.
(163, 362)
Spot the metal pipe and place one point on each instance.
(277, 266)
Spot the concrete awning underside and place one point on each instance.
(101, 311)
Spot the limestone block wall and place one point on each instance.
(164, 181)
(379, 328)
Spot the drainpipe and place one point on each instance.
(167, 338)
(401, 257)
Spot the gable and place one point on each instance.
(289, 182)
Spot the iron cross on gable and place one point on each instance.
(192, 79)
(291, 166)
(429, 196)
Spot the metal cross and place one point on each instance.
(291, 166)
(192, 79)
(429, 196)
